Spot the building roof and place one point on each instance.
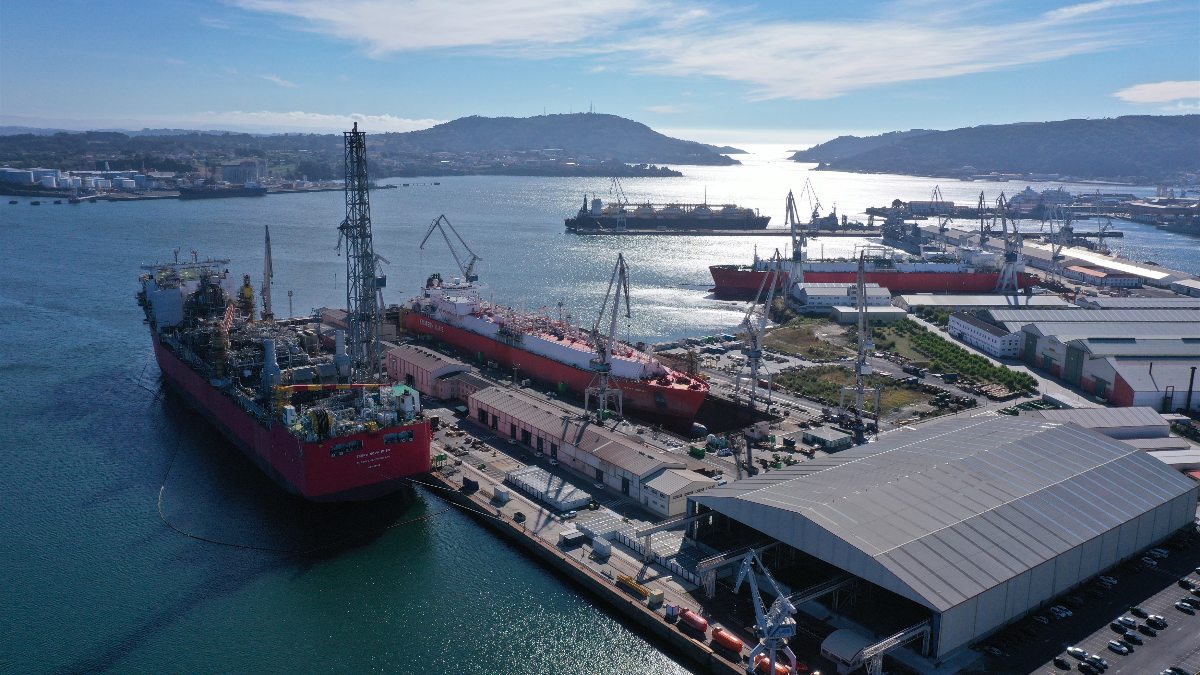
(673, 481)
(846, 643)
(1104, 418)
(1141, 303)
(1067, 315)
(951, 300)
(1065, 331)
(1188, 283)
(425, 359)
(826, 434)
(979, 323)
(942, 513)
(1156, 374)
(472, 379)
(1168, 443)
(1140, 347)
(622, 451)
(833, 284)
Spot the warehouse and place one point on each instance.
(423, 369)
(1044, 345)
(1099, 277)
(989, 338)
(620, 461)
(822, 297)
(977, 521)
(952, 302)
(1119, 423)
(1139, 303)
(849, 315)
(668, 490)
(1188, 287)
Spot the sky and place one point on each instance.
(786, 71)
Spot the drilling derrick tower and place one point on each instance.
(362, 284)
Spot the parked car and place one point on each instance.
(1118, 647)
(1088, 669)
(1061, 663)
(1041, 619)
(1132, 638)
(1186, 609)
(1159, 552)
(1077, 652)
(1096, 661)
(1127, 622)
(1118, 628)
(1156, 622)
(1149, 562)
(1109, 580)
(1147, 631)
(1190, 601)
(569, 515)
(1138, 612)
(1186, 583)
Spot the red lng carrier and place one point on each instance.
(549, 350)
(269, 388)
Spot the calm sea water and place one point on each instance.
(94, 450)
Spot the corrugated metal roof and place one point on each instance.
(425, 359)
(1091, 315)
(1155, 374)
(1143, 347)
(1104, 418)
(1074, 330)
(944, 512)
(620, 450)
(672, 481)
(932, 300)
(1143, 303)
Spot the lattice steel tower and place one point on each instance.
(362, 284)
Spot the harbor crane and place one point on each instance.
(1009, 280)
(985, 222)
(756, 328)
(799, 238)
(855, 417)
(814, 203)
(601, 388)
(1060, 236)
(944, 213)
(775, 623)
(441, 223)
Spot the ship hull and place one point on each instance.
(738, 282)
(303, 468)
(672, 403)
(583, 223)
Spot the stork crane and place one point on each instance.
(775, 623)
(944, 215)
(1008, 282)
(600, 388)
(441, 223)
(799, 239)
(756, 328)
(985, 225)
(866, 344)
(1058, 239)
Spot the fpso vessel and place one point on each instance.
(549, 350)
(898, 276)
(270, 389)
(624, 216)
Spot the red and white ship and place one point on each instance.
(549, 350)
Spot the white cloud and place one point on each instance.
(265, 120)
(665, 109)
(412, 25)
(1170, 91)
(279, 81)
(905, 41)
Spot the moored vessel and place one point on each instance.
(621, 215)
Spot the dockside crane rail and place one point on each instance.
(601, 388)
(775, 623)
(441, 223)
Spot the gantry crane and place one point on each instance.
(441, 223)
(775, 623)
(1009, 280)
(601, 388)
(799, 240)
(756, 328)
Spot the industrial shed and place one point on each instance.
(1119, 423)
(980, 521)
(423, 369)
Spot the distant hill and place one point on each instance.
(844, 147)
(1142, 147)
(600, 136)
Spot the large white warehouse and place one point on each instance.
(979, 521)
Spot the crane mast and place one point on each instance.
(268, 276)
(855, 418)
(362, 284)
(756, 328)
(799, 240)
(1008, 282)
(441, 223)
(775, 623)
(601, 388)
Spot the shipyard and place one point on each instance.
(592, 338)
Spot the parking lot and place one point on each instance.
(1030, 647)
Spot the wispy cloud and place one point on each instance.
(213, 22)
(665, 109)
(296, 120)
(279, 81)
(1171, 91)
(905, 41)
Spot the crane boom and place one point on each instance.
(441, 223)
(601, 364)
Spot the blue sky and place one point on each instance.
(789, 71)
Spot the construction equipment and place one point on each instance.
(601, 389)
(1008, 282)
(854, 418)
(268, 277)
(362, 284)
(775, 624)
(756, 328)
(468, 270)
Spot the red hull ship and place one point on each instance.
(549, 351)
(743, 281)
(336, 441)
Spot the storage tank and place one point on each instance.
(726, 640)
(89, 182)
(49, 181)
(694, 621)
(126, 184)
